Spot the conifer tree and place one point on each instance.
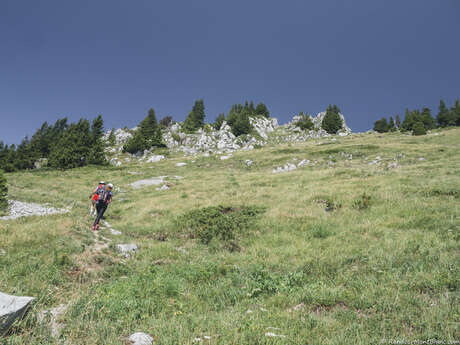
(147, 136)
(381, 125)
(112, 139)
(73, 147)
(261, 109)
(456, 111)
(96, 152)
(195, 118)
(3, 193)
(398, 121)
(219, 121)
(443, 115)
(332, 122)
(428, 121)
(391, 125)
(419, 128)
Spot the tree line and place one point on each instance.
(420, 121)
(62, 145)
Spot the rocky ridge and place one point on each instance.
(209, 141)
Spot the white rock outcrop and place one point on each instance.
(11, 309)
(19, 209)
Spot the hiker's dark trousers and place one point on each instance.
(100, 208)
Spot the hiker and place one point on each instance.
(103, 201)
(94, 196)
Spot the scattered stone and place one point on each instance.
(155, 158)
(248, 162)
(222, 158)
(421, 159)
(181, 164)
(115, 162)
(53, 315)
(19, 209)
(249, 311)
(271, 334)
(298, 307)
(140, 338)
(11, 309)
(155, 181)
(115, 232)
(163, 187)
(127, 249)
(303, 162)
(41, 163)
(288, 167)
(182, 250)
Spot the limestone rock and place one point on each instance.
(155, 158)
(12, 308)
(288, 167)
(127, 249)
(19, 209)
(155, 181)
(140, 338)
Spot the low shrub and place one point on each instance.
(219, 222)
(363, 202)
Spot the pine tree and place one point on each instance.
(166, 121)
(443, 115)
(332, 122)
(391, 125)
(96, 153)
(219, 121)
(381, 125)
(419, 128)
(398, 121)
(252, 109)
(3, 193)
(262, 110)
(195, 118)
(147, 136)
(238, 120)
(73, 147)
(456, 112)
(428, 121)
(112, 138)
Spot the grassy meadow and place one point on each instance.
(381, 263)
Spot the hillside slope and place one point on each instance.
(356, 245)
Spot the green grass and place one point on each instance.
(386, 267)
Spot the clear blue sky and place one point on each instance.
(119, 58)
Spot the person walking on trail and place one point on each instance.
(94, 196)
(104, 200)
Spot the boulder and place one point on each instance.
(41, 163)
(140, 338)
(155, 158)
(155, 181)
(127, 249)
(11, 309)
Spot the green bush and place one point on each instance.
(218, 222)
(3, 193)
(305, 122)
(363, 202)
(419, 129)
